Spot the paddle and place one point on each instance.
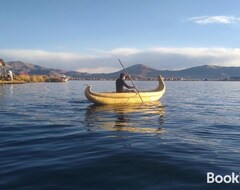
(131, 80)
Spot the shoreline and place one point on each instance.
(12, 82)
(23, 82)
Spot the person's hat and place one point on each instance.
(122, 75)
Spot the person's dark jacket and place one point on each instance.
(120, 83)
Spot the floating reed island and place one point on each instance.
(20, 79)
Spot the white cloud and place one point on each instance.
(198, 52)
(98, 61)
(116, 52)
(98, 70)
(215, 20)
(40, 54)
(61, 60)
(124, 51)
(106, 61)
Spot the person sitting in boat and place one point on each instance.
(120, 84)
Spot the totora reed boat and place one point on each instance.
(103, 98)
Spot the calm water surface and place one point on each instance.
(51, 137)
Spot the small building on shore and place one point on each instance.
(2, 65)
(5, 74)
(2, 69)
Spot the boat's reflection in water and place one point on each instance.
(138, 118)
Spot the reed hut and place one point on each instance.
(2, 65)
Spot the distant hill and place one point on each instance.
(20, 67)
(140, 71)
(210, 72)
(204, 72)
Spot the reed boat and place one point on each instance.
(103, 98)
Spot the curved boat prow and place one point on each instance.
(161, 85)
(88, 92)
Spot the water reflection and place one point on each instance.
(138, 118)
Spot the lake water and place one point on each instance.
(51, 137)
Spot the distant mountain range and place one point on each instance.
(139, 71)
(18, 67)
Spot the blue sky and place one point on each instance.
(89, 35)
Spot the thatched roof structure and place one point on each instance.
(2, 63)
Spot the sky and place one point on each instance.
(90, 35)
